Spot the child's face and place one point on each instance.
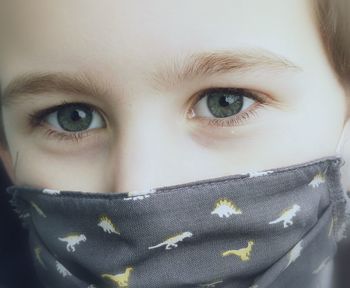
(140, 136)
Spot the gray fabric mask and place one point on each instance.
(274, 228)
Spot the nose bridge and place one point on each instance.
(142, 151)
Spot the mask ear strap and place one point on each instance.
(344, 138)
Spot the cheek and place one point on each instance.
(36, 168)
(323, 111)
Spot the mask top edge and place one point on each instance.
(336, 160)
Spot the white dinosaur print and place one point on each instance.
(24, 215)
(225, 208)
(331, 228)
(317, 180)
(172, 241)
(51, 191)
(72, 240)
(210, 285)
(259, 173)
(254, 286)
(321, 266)
(140, 194)
(287, 215)
(136, 197)
(341, 233)
(37, 252)
(91, 286)
(107, 225)
(294, 253)
(62, 270)
(37, 208)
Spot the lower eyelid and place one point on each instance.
(88, 139)
(76, 136)
(239, 119)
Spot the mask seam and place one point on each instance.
(336, 198)
(120, 196)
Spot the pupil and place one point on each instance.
(77, 115)
(223, 101)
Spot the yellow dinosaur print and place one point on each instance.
(243, 253)
(172, 241)
(122, 279)
(37, 208)
(107, 225)
(37, 252)
(72, 240)
(317, 180)
(225, 208)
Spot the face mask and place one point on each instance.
(273, 228)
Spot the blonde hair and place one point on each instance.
(334, 27)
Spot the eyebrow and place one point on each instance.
(203, 64)
(206, 64)
(35, 83)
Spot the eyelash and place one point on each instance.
(77, 136)
(238, 118)
(36, 119)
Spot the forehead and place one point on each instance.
(133, 36)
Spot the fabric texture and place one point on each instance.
(274, 228)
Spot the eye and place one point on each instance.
(225, 106)
(74, 118)
(70, 120)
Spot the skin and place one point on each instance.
(147, 140)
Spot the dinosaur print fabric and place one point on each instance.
(275, 228)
